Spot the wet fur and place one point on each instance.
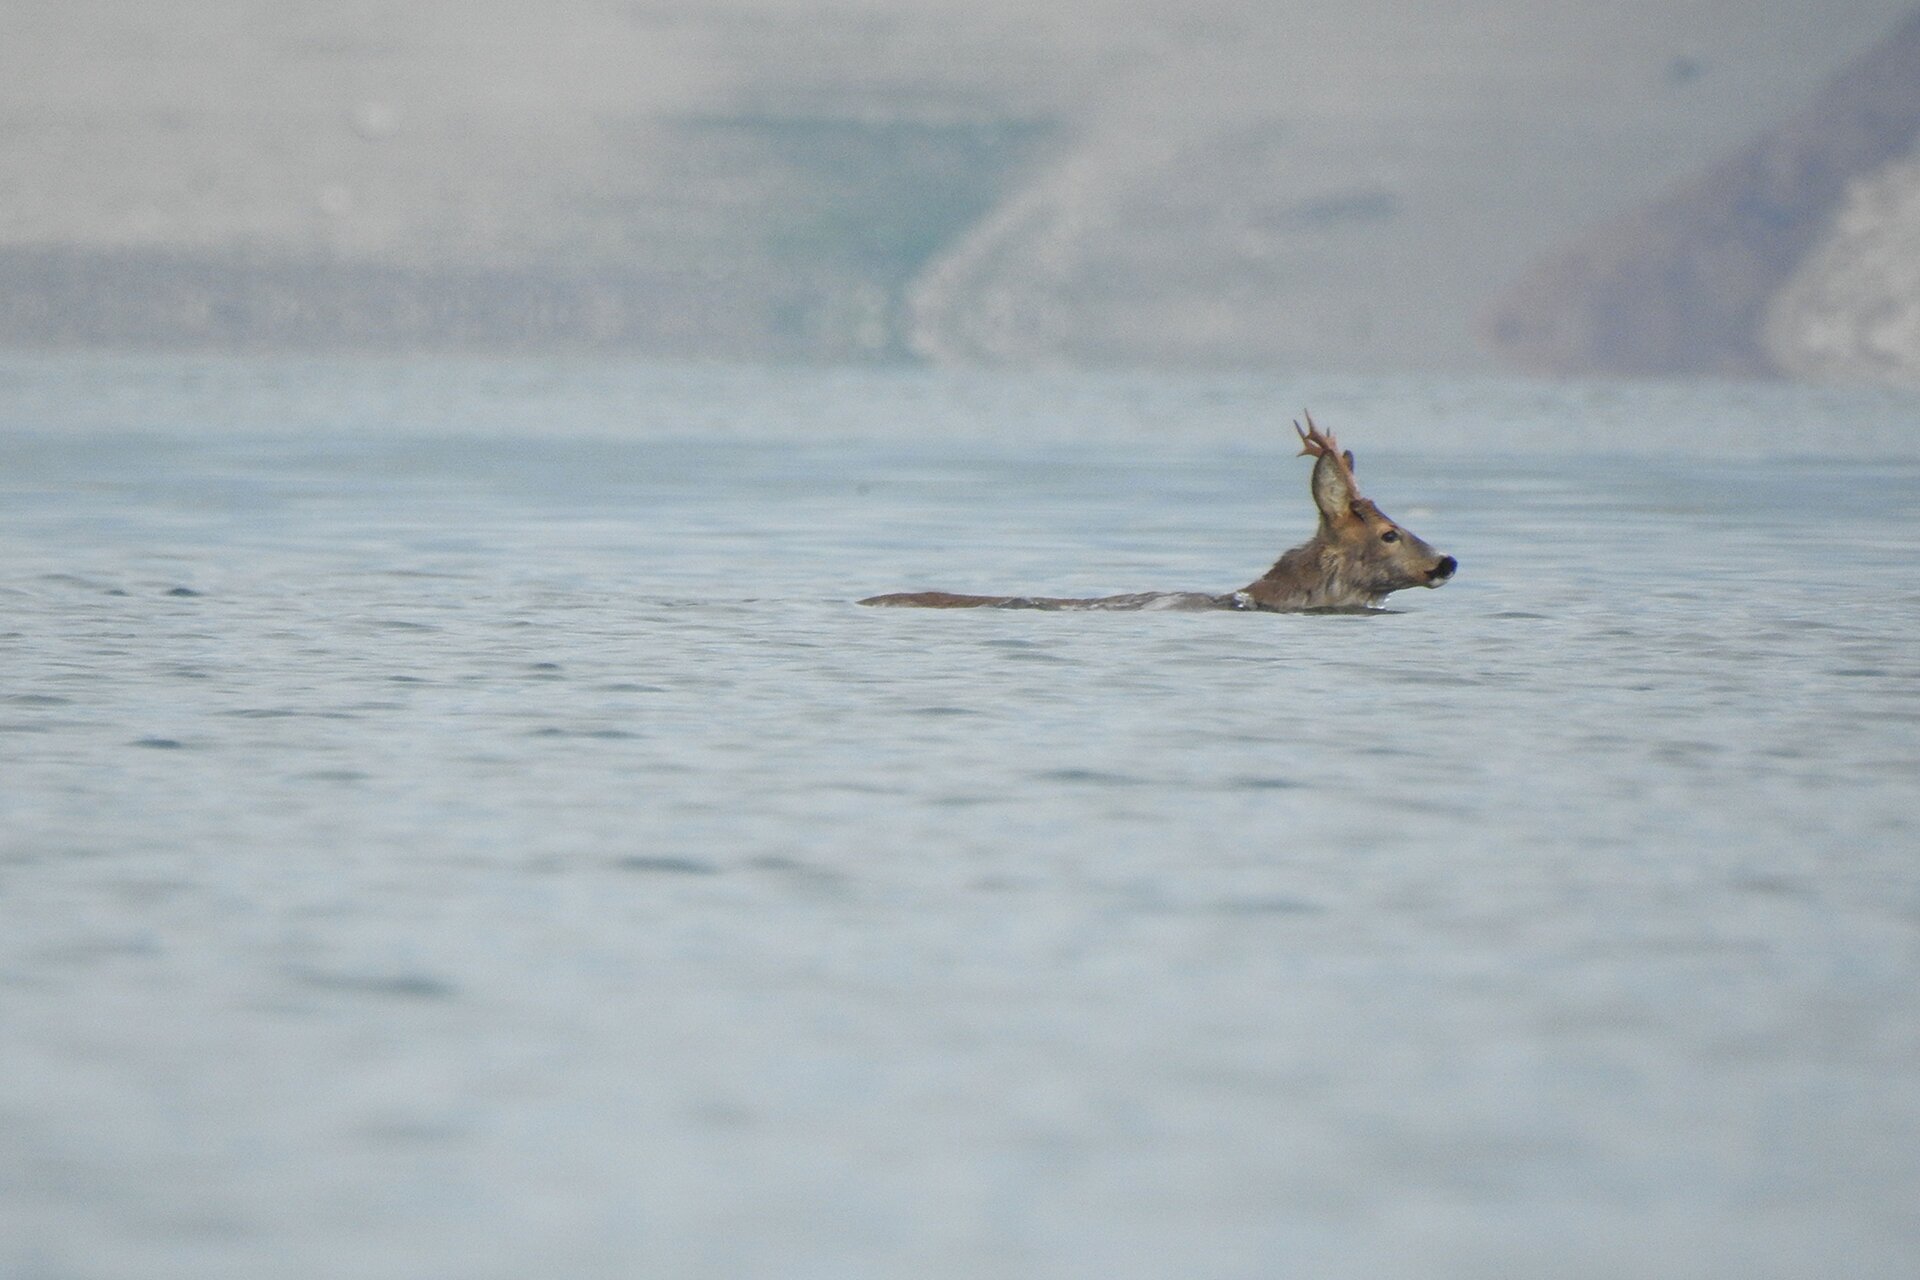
(1356, 558)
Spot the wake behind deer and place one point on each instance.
(1355, 559)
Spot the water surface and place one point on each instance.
(454, 822)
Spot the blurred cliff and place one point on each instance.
(1310, 183)
(1794, 255)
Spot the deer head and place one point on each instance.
(1358, 556)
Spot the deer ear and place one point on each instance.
(1333, 492)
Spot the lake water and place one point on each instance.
(454, 823)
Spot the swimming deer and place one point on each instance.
(1354, 560)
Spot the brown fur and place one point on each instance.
(1356, 558)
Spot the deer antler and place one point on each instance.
(1315, 443)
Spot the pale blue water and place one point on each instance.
(453, 823)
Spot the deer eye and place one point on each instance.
(1391, 535)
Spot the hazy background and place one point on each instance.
(1623, 187)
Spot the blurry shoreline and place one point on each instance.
(1242, 416)
(1229, 186)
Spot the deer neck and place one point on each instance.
(1311, 576)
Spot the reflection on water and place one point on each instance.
(428, 853)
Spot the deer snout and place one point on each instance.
(1442, 571)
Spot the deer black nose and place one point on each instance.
(1443, 570)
